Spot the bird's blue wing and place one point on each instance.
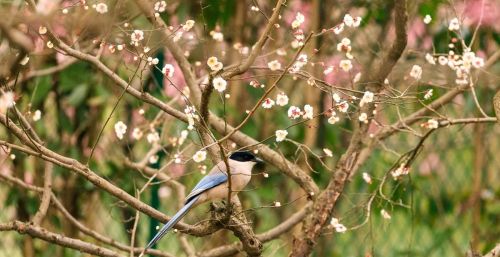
(207, 182)
(176, 218)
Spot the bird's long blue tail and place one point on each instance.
(176, 218)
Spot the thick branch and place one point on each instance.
(146, 97)
(76, 223)
(41, 233)
(495, 252)
(284, 227)
(79, 168)
(270, 156)
(324, 204)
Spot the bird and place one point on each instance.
(214, 186)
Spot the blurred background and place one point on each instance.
(448, 204)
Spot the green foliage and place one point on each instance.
(218, 12)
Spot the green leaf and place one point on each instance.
(78, 95)
(41, 89)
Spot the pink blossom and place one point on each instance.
(472, 10)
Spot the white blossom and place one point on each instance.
(188, 25)
(37, 115)
(203, 169)
(427, 19)
(200, 156)
(160, 6)
(294, 112)
(442, 60)
(454, 24)
(343, 106)
(416, 72)
(328, 152)
(344, 45)
(153, 61)
(428, 94)
(357, 77)
(42, 30)
(385, 214)
(333, 119)
(177, 158)
(432, 124)
(214, 64)
(367, 178)
(274, 65)
(301, 61)
(168, 70)
(120, 129)
(336, 97)
(211, 61)
(281, 135)
(153, 159)
(299, 19)
(217, 36)
(136, 36)
(356, 22)
(400, 171)
(137, 133)
(338, 29)
(267, 103)
(101, 8)
(308, 112)
(346, 65)
(430, 59)
(7, 100)
(348, 20)
(340, 228)
(281, 99)
(363, 117)
(219, 83)
(153, 137)
(25, 60)
(478, 62)
(183, 137)
(367, 98)
(328, 70)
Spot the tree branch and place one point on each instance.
(257, 48)
(47, 191)
(41, 233)
(176, 51)
(324, 204)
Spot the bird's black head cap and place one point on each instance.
(243, 156)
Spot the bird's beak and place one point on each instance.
(259, 160)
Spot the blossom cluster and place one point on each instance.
(295, 112)
(460, 63)
(339, 227)
(190, 112)
(281, 100)
(400, 171)
(214, 64)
